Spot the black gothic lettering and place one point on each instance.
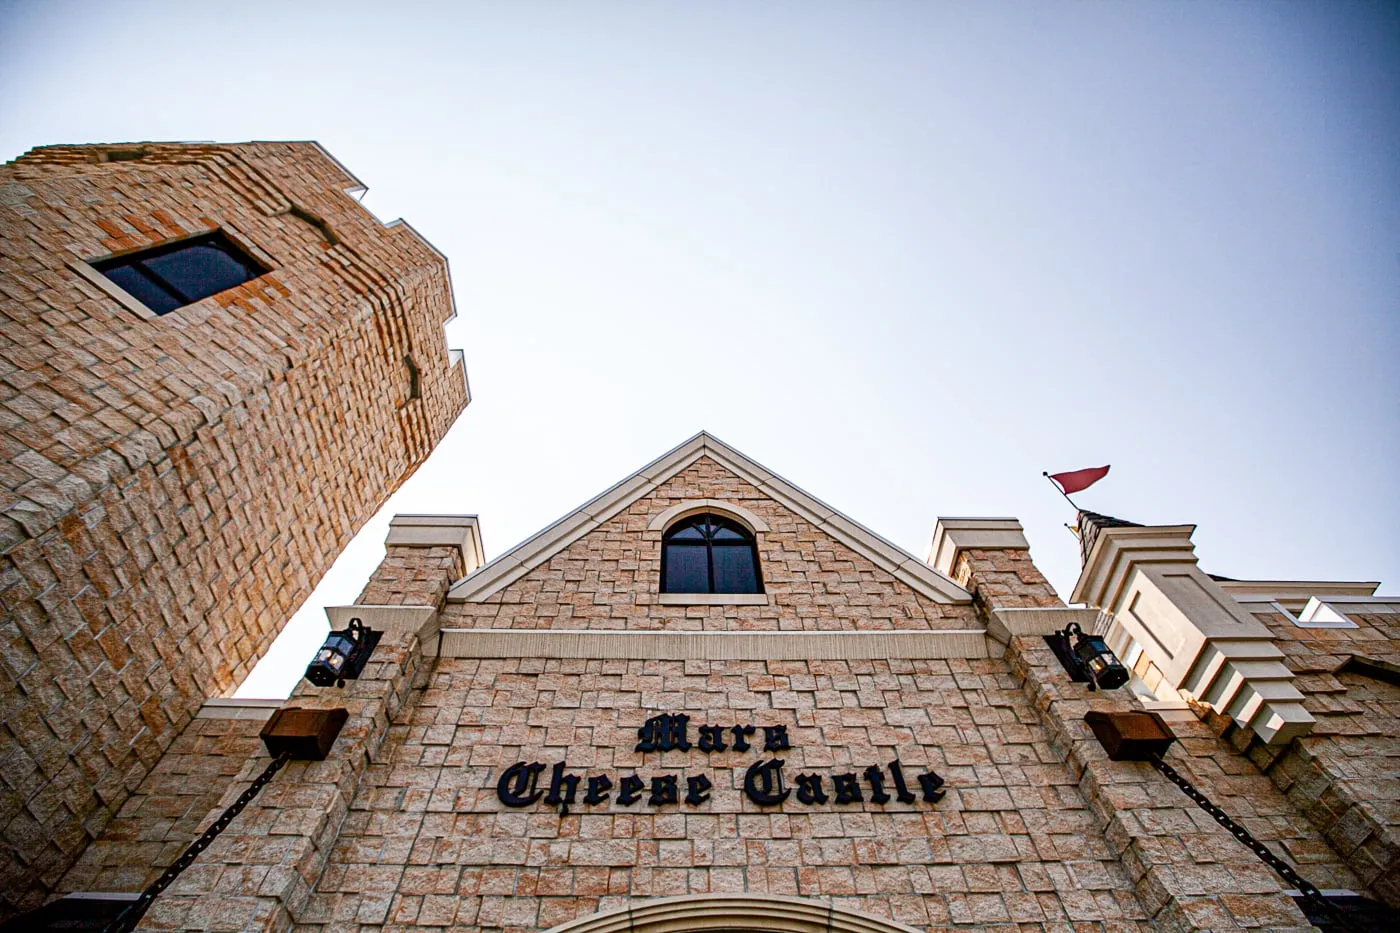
(697, 789)
(516, 788)
(763, 783)
(931, 783)
(809, 788)
(561, 782)
(901, 791)
(711, 739)
(847, 788)
(630, 791)
(598, 787)
(663, 733)
(521, 784)
(876, 778)
(663, 790)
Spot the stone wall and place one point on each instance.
(174, 487)
(408, 824)
(427, 843)
(1037, 831)
(1345, 775)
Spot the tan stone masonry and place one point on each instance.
(404, 826)
(173, 487)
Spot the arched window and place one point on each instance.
(709, 554)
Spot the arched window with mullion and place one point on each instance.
(709, 554)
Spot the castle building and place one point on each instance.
(217, 365)
(705, 700)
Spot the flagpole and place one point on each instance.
(1046, 474)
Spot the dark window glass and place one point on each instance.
(709, 554)
(734, 570)
(170, 277)
(200, 268)
(686, 570)
(143, 288)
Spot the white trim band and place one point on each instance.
(713, 646)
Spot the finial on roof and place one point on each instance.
(1090, 524)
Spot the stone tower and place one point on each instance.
(179, 472)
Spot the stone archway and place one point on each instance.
(732, 913)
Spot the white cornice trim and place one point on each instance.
(599, 644)
(536, 550)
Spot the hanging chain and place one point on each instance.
(1310, 892)
(128, 918)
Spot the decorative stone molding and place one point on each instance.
(1018, 623)
(421, 621)
(951, 535)
(459, 531)
(715, 599)
(732, 912)
(692, 506)
(238, 708)
(1208, 646)
(713, 646)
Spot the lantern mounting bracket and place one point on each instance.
(1059, 643)
(356, 662)
(1088, 659)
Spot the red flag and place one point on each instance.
(1075, 480)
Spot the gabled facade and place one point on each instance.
(567, 738)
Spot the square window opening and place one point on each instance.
(178, 274)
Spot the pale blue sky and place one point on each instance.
(907, 255)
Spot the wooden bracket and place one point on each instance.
(1132, 736)
(304, 734)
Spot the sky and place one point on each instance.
(907, 255)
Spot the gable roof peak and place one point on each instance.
(497, 574)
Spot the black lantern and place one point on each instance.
(1088, 659)
(343, 655)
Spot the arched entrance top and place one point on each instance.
(760, 913)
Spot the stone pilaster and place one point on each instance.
(1170, 850)
(991, 558)
(259, 874)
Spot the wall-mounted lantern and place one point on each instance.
(343, 655)
(1088, 658)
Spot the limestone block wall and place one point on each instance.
(174, 487)
(1345, 775)
(406, 826)
(1013, 845)
(258, 874)
(174, 803)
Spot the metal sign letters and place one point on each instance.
(523, 783)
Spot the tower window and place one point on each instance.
(178, 274)
(709, 554)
